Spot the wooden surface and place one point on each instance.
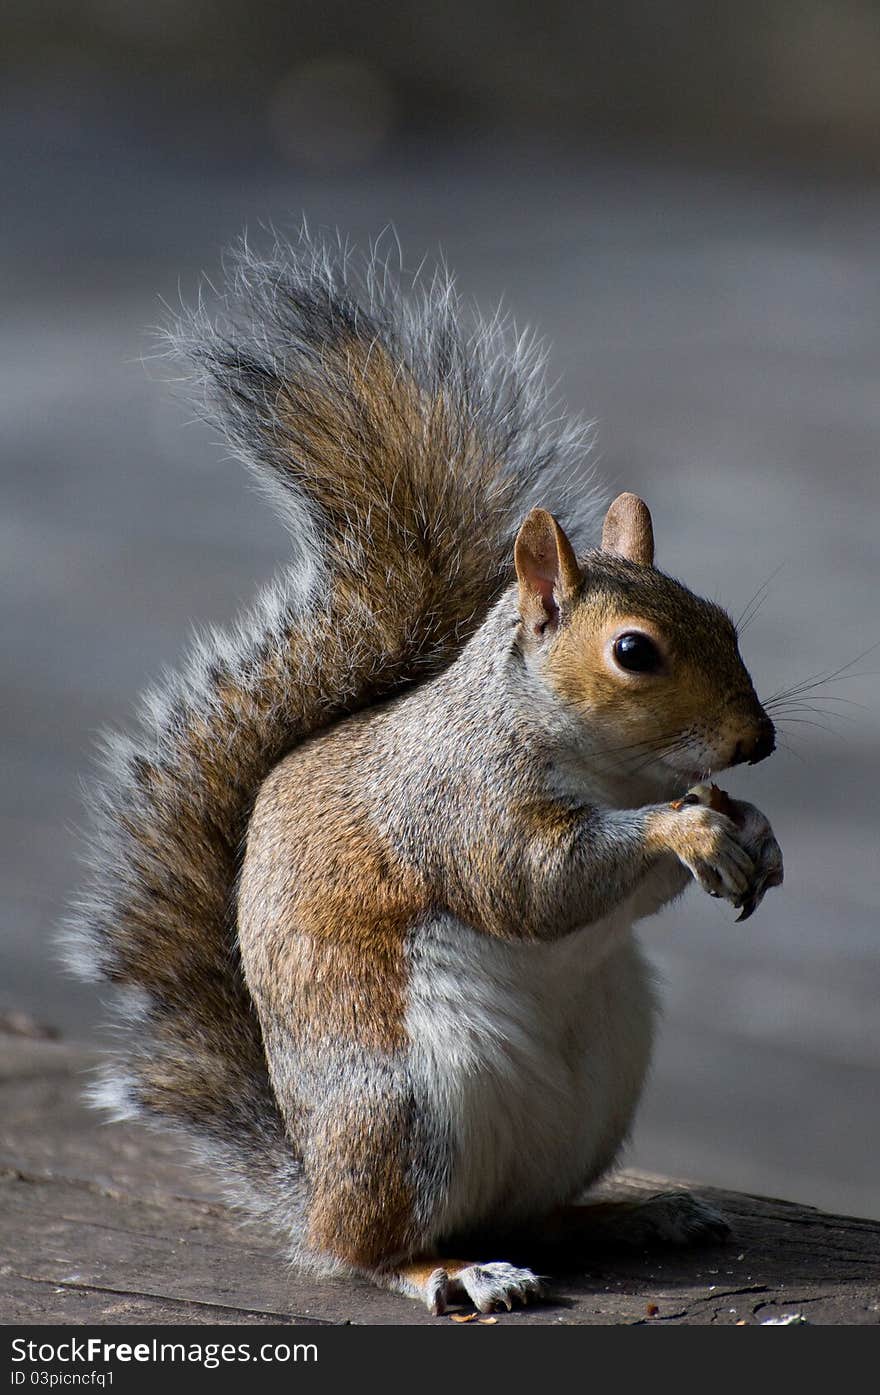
(108, 1223)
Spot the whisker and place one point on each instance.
(791, 706)
(792, 752)
(651, 741)
(644, 753)
(751, 608)
(661, 754)
(836, 676)
(805, 722)
(821, 697)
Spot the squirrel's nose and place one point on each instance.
(765, 743)
(758, 747)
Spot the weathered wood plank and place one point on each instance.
(110, 1223)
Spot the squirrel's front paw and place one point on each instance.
(760, 843)
(759, 854)
(488, 1286)
(710, 846)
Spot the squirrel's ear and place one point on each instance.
(628, 531)
(547, 570)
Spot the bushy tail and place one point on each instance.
(402, 441)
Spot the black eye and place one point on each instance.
(637, 653)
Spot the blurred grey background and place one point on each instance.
(684, 199)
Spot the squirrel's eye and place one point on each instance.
(637, 653)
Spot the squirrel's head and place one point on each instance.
(653, 671)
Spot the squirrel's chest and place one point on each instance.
(530, 1058)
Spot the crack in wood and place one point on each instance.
(703, 1300)
(170, 1298)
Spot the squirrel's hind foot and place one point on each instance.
(678, 1218)
(488, 1286)
(675, 1218)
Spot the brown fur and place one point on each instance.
(406, 457)
(362, 1203)
(325, 904)
(492, 884)
(324, 909)
(704, 686)
(697, 837)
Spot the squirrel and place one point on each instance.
(365, 876)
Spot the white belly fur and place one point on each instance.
(531, 1056)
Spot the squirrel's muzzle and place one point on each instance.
(757, 747)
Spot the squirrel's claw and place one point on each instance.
(767, 856)
(773, 876)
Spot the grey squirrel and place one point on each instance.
(366, 873)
